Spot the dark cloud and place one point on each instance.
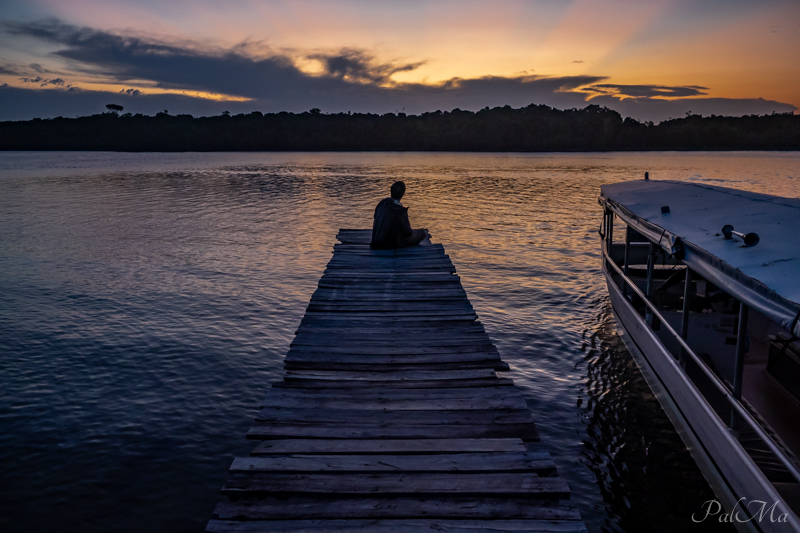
(656, 109)
(131, 92)
(578, 61)
(9, 69)
(44, 82)
(30, 71)
(356, 65)
(173, 65)
(648, 91)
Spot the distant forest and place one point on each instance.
(535, 128)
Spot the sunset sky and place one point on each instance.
(649, 59)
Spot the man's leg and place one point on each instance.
(413, 239)
(427, 240)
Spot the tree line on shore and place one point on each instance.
(535, 128)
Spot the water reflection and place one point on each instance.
(645, 474)
(147, 300)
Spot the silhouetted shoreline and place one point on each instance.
(535, 128)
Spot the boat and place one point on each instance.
(704, 283)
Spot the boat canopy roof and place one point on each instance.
(765, 277)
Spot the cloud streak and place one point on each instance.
(44, 82)
(357, 66)
(648, 91)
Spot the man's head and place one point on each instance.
(398, 190)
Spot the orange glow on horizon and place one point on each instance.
(114, 88)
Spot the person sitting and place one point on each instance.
(390, 227)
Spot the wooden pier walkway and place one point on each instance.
(391, 417)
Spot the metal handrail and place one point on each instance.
(717, 382)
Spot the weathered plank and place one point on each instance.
(345, 249)
(420, 254)
(405, 264)
(368, 297)
(421, 404)
(338, 321)
(392, 331)
(400, 299)
(444, 281)
(377, 385)
(394, 308)
(539, 463)
(342, 249)
(377, 345)
(396, 280)
(400, 253)
(497, 365)
(430, 314)
(469, 331)
(397, 526)
(338, 327)
(374, 394)
(485, 508)
(439, 282)
(386, 417)
(391, 350)
(387, 446)
(366, 289)
(308, 339)
(394, 349)
(300, 356)
(369, 320)
(271, 430)
(399, 483)
(377, 393)
(357, 265)
(358, 285)
(398, 275)
(397, 375)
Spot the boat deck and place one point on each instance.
(391, 416)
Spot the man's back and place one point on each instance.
(390, 225)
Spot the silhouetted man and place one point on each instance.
(390, 227)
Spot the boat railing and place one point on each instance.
(741, 413)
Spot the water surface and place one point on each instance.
(147, 301)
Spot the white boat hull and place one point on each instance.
(727, 467)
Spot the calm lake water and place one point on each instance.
(147, 301)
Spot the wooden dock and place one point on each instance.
(391, 418)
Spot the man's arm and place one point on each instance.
(404, 225)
